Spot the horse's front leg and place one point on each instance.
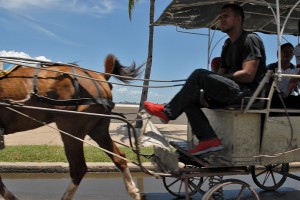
(121, 164)
(69, 193)
(130, 184)
(7, 195)
(101, 136)
(77, 165)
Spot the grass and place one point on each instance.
(47, 153)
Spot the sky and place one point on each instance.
(87, 31)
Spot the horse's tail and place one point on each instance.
(113, 66)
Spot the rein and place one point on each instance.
(38, 65)
(32, 63)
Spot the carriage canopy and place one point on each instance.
(259, 17)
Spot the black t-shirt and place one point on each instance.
(248, 46)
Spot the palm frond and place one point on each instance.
(131, 4)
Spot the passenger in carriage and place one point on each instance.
(243, 63)
(287, 54)
(288, 91)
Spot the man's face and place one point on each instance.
(227, 20)
(287, 53)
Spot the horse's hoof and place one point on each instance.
(137, 196)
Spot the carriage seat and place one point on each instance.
(259, 103)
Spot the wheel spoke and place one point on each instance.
(194, 187)
(266, 177)
(180, 186)
(241, 192)
(261, 173)
(172, 183)
(274, 166)
(273, 177)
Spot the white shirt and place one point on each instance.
(283, 84)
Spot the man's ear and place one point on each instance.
(240, 19)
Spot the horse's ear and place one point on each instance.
(109, 65)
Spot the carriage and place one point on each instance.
(263, 148)
(258, 139)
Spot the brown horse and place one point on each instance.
(67, 88)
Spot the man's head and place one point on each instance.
(287, 52)
(231, 16)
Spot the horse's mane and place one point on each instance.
(113, 66)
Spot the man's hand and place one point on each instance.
(292, 85)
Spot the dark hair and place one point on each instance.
(237, 10)
(286, 45)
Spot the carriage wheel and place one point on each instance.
(270, 177)
(176, 185)
(245, 190)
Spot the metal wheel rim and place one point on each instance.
(209, 194)
(268, 175)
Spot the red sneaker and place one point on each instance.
(156, 110)
(207, 146)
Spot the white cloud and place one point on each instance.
(94, 7)
(131, 94)
(21, 4)
(156, 95)
(42, 58)
(126, 91)
(21, 55)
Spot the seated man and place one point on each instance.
(243, 63)
(288, 88)
(287, 53)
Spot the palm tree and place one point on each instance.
(131, 4)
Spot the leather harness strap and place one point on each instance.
(100, 99)
(76, 84)
(35, 76)
(71, 102)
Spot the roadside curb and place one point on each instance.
(61, 167)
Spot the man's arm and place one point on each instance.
(292, 84)
(246, 74)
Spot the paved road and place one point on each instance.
(109, 186)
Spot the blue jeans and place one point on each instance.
(219, 92)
